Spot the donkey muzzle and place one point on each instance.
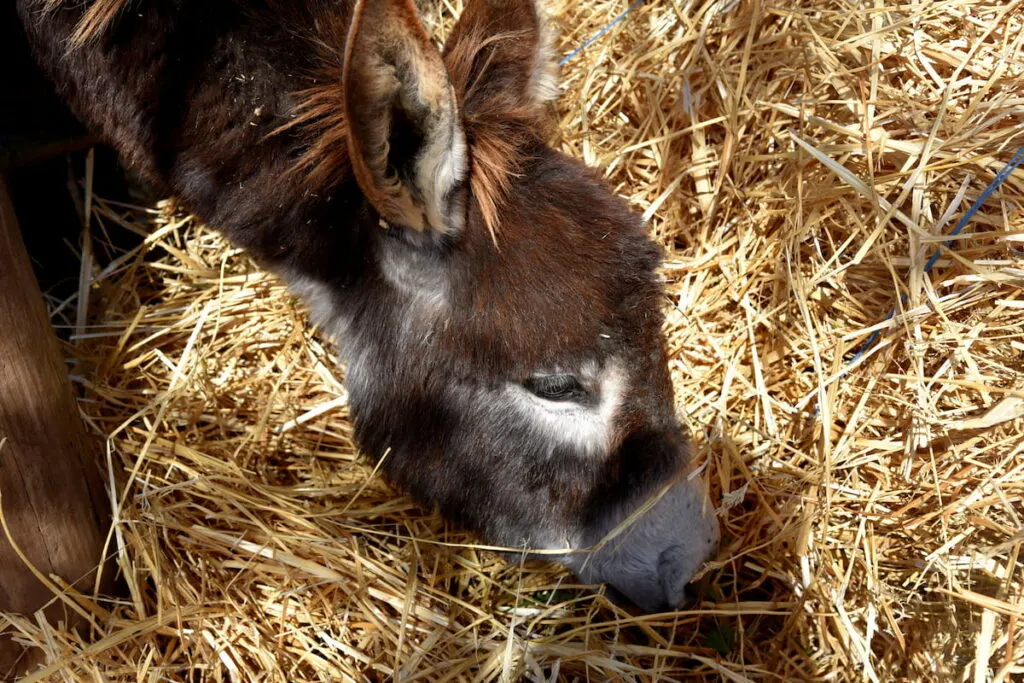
(652, 560)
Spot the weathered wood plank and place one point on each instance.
(49, 480)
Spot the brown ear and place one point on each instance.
(405, 139)
(501, 50)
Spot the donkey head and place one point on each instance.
(503, 341)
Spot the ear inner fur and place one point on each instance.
(511, 43)
(499, 59)
(393, 71)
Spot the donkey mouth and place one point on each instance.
(691, 595)
(651, 565)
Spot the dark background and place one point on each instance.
(42, 153)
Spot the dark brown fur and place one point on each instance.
(296, 127)
(492, 95)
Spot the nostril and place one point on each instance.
(691, 596)
(647, 602)
(616, 597)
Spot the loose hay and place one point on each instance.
(800, 162)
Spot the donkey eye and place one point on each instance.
(555, 387)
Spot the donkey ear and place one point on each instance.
(405, 140)
(503, 50)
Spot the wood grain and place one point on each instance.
(49, 480)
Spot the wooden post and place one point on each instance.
(50, 484)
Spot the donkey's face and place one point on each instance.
(504, 341)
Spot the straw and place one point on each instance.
(872, 513)
(1003, 174)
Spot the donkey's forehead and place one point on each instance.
(558, 216)
(572, 272)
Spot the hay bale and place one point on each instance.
(799, 162)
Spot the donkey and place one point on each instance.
(497, 307)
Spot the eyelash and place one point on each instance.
(555, 387)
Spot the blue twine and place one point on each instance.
(600, 33)
(1001, 177)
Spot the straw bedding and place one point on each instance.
(799, 161)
